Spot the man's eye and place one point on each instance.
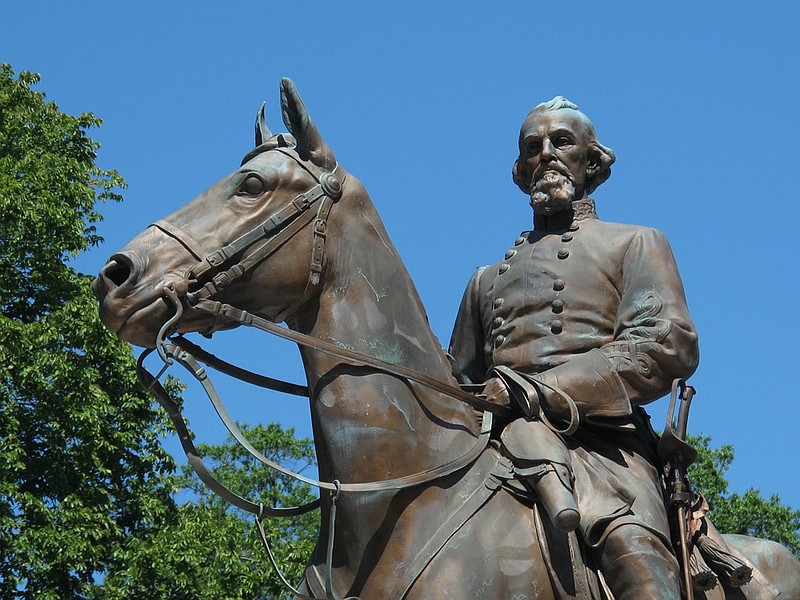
(563, 141)
(534, 148)
(252, 185)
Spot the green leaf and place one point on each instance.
(749, 514)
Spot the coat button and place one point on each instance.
(558, 285)
(567, 237)
(558, 305)
(510, 253)
(556, 326)
(498, 322)
(519, 240)
(503, 268)
(499, 340)
(498, 302)
(563, 253)
(574, 227)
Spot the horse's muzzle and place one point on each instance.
(115, 286)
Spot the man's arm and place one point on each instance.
(654, 339)
(468, 338)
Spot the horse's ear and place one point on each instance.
(310, 144)
(262, 131)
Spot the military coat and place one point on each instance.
(598, 310)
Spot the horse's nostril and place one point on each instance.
(118, 270)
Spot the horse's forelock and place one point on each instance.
(281, 140)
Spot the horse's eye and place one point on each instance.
(252, 185)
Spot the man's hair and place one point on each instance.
(556, 103)
(599, 155)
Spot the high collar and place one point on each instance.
(580, 211)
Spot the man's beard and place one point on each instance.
(551, 192)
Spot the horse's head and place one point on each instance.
(272, 209)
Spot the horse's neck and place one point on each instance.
(373, 425)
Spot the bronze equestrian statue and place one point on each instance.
(419, 499)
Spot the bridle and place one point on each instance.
(217, 270)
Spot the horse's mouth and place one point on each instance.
(136, 323)
(139, 323)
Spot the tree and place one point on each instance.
(749, 513)
(81, 467)
(212, 550)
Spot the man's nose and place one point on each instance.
(547, 149)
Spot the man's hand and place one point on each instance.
(495, 391)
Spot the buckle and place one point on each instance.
(301, 202)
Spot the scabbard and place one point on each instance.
(686, 566)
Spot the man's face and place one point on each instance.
(554, 152)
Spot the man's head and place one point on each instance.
(560, 159)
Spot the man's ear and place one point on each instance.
(592, 167)
(593, 161)
(520, 176)
(598, 166)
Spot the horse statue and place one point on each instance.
(415, 505)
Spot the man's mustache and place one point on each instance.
(538, 183)
(551, 166)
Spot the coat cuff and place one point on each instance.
(592, 383)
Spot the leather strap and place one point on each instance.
(154, 386)
(187, 361)
(266, 229)
(445, 532)
(242, 374)
(277, 229)
(524, 390)
(187, 241)
(260, 253)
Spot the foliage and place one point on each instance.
(212, 550)
(747, 513)
(81, 466)
(294, 538)
(48, 190)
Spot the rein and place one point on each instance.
(186, 360)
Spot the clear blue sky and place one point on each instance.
(423, 101)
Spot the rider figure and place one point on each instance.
(595, 309)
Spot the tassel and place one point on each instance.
(703, 578)
(731, 571)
